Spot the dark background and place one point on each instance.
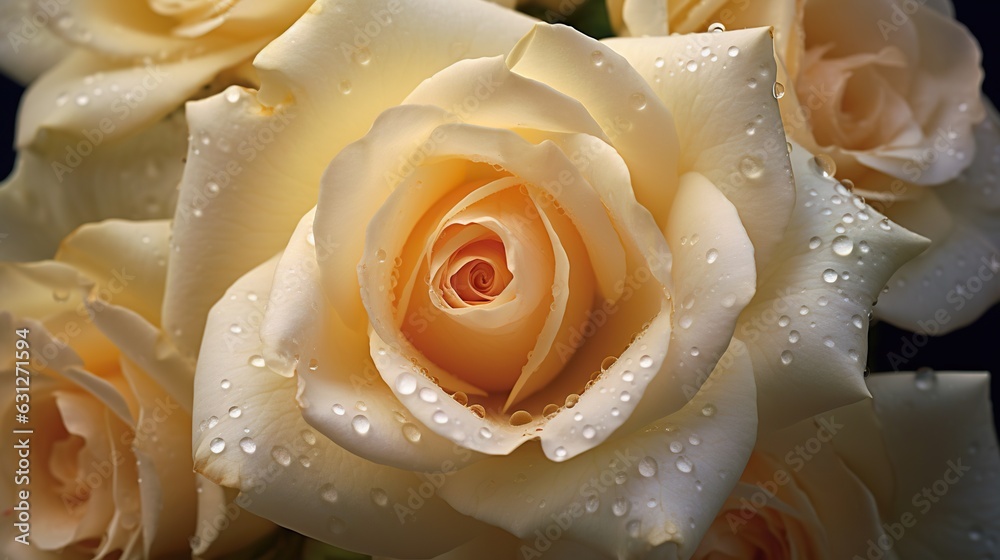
(972, 348)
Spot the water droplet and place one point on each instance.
(225, 384)
(233, 95)
(338, 409)
(520, 418)
(82, 100)
(478, 410)
(824, 165)
(328, 493)
(646, 361)
(778, 90)
(213, 422)
(716, 28)
(691, 66)
(218, 445)
(428, 395)
(842, 245)
(815, 242)
(830, 276)
(784, 321)
(793, 337)
(751, 83)
(439, 417)
(925, 379)
(361, 424)
(406, 384)
(786, 357)
(708, 410)
(634, 528)
(411, 433)
(884, 224)
(711, 256)
(281, 456)
(248, 445)
(751, 167)
(363, 56)
(379, 496)
(592, 503)
(345, 87)
(628, 376)
(560, 453)
(638, 101)
(589, 432)
(625, 396)
(734, 51)
(257, 361)
(694, 440)
(676, 447)
(597, 58)
(620, 507)
(684, 464)
(235, 412)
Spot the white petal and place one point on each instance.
(339, 497)
(954, 281)
(714, 109)
(807, 329)
(665, 501)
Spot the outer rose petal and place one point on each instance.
(340, 498)
(807, 327)
(30, 49)
(951, 412)
(751, 170)
(955, 280)
(54, 185)
(666, 501)
(298, 73)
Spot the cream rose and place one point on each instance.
(855, 483)
(108, 403)
(891, 91)
(101, 131)
(451, 243)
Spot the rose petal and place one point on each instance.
(339, 387)
(340, 498)
(57, 186)
(953, 282)
(714, 124)
(298, 81)
(30, 49)
(640, 128)
(957, 448)
(666, 501)
(807, 330)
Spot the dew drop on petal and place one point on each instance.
(281, 456)
(830, 276)
(824, 165)
(708, 410)
(248, 445)
(379, 497)
(786, 357)
(734, 51)
(428, 395)
(235, 412)
(257, 361)
(620, 507)
(439, 417)
(778, 90)
(406, 384)
(683, 464)
(217, 445)
(361, 424)
(328, 493)
(520, 418)
(589, 432)
(711, 256)
(411, 433)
